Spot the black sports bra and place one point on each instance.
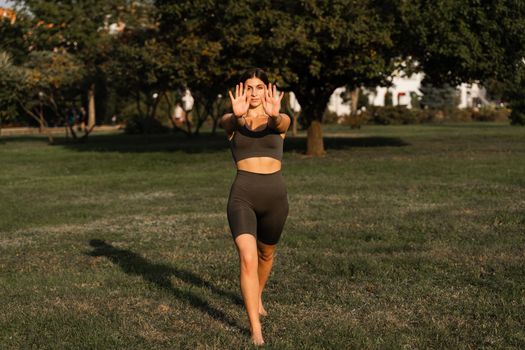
(246, 143)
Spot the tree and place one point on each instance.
(317, 46)
(444, 98)
(8, 81)
(143, 67)
(82, 28)
(46, 79)
(459, 41)
(515, 91)
(205, 37)
(13, 38)
(310, 47)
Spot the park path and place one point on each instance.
(55, 131)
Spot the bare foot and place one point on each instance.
(262, 310)
(257, 338)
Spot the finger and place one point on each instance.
(270, 90)
(231, 96)
(281, 95)
(241, 89)
(274, 90)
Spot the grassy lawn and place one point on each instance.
(400, 237)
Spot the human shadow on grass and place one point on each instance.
(210, 143)
(160, 274)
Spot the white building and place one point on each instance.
(403, 87)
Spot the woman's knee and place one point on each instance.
(249, 261)
(265, 251)
(247, 248)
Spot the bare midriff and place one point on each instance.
(259, 165)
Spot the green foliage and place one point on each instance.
(141, 66)
(210, 46)
(13, 38)
(388, 99)
(490, 114)
(517, 117)
(390, 115)
(456, 41)
(460, 41)
(515, 91)
(362, 100)
(319, 46)
(415, 100)
(9, 79)
(46, 79)
(444, 97)
(330, 117)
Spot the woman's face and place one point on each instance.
(255, 88)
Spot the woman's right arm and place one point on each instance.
(229, 122)
(240, 104)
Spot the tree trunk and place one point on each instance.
(354, 95)
(154, 107)
(35, 117)
(214, 127)
(313, 104)
(188, 119)
(315, 143)
(295, 117)
(137, 101)
(91, 106)
(41, 119)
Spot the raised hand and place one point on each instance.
(241, 101)
(272, 100)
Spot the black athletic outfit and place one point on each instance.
(258, 203)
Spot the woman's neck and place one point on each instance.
(255, 112)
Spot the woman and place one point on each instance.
(258, 203)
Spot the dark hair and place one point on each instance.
(254, 73)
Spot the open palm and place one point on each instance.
(241, 101)
(272, 100)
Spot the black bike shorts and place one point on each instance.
(258, 205)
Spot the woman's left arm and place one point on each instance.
(272, 105)
(280, 122)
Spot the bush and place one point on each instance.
(444, 97)
(490, 114)
(391, 115)
(136, 124)
(330, 117)
(458, 115)
(517, 117)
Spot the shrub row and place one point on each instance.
(401, 115)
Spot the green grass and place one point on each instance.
(400, 237)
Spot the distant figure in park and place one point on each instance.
(72, 117)
(82, 119)
(258, 202)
